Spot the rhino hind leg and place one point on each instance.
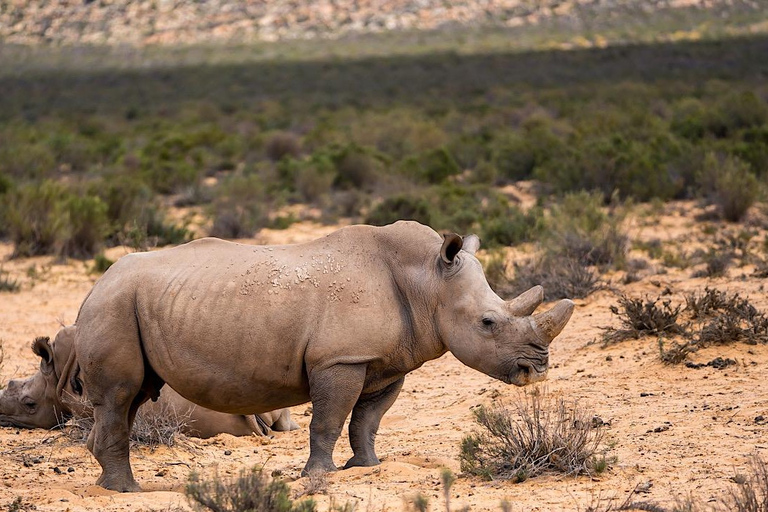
(366, 417)
(334, 392)
(118, 382)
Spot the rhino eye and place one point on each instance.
(29, 404)
(488, 322)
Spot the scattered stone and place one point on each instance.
(57, 470)
(718, 363)
(227, 452)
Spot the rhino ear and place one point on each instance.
(451, 246)
(471, 243)
(41, 346)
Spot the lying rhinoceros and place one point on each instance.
(54, 394)
(338, 321)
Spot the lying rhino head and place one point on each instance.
(501, 339)
(36, 402)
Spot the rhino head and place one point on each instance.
(37, 402)
(502, 339)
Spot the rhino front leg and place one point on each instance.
(334, 392)
(366, 417)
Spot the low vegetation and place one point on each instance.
(249, 491)
(92, 159)
(537, 434)
(713, 317)
(7, 283)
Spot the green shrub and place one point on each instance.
(36, 218)
(169, 162)
(580, 229)
(101, 263)
(250, 491)
(151, 229)
(736, 111)
(400, 207)
(240, 207)
(85, 228)
(736, 189)
(431, 167)
(512, 227)
(517, 155)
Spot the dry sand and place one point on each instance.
(707, 416)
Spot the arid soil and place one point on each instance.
(674, 430)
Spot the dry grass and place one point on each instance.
(561, 278)
(161, 428)
(537, 434)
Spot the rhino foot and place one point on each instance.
(118, 484)
(362, 462)
(316, 466)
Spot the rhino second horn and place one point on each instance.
(550, 323)
(527, 302)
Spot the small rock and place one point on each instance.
(162, 472)
(597, 421)
(308, 411)
(608, 358)
(227, 452)
(70, 469)
(57, 470)
(643, 395)
(760, 419)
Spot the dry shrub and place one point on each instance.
(751, 492)
(641, 317)
(155, 427)
(316, 483)
(537, 434)
(283, 144)
(726, 318)
(561, 278)
(250, 490)
(711, 318)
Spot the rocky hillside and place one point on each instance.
(138, 22)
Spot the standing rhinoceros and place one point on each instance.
(339, 321)
(54, 394)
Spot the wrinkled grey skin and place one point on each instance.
(338, 321)
(54, 394)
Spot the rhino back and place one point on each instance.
(223, 323)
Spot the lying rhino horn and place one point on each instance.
(527, 302)
(549, 324)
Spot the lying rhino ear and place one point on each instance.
(451, 246)
(41, 346)
(471, 243)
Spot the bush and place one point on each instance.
(561, 278)
(736, 188)
(432, 167)
(580, 230)
(643, 317)
(240, 207)
(48, 218)
(539, 434)
(281, 145)
(400, 207)
(250, 491)
(86, 226)
(35, 218)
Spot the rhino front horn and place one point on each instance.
(548, 325)
(527, 302)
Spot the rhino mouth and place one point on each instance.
(524, 373)
(7, 421)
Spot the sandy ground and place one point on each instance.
(707, 416)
